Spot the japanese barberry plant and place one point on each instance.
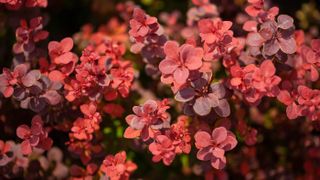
(213, 89)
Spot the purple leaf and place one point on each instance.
(31, 78)
(271, 47)
(285, 21)
(202, 106)
(288, 46)
(19, 93)
(268, 29)
(53, 97)
(214, 100)
(218, 89)
(223, 109)
(254, 39)
(185, 94)
(37, 104)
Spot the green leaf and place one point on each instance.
(107, 130)
(119, 132)
(147, 2)
(184, 160)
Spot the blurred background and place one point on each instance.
(67, 17)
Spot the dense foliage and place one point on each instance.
(207, 89)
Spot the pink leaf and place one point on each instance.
(292, 111)
(250, 26)
(26, 147)
(219, 135)
(23, 131)
(285, 97)
(181, 75)
(203, 139)
(67, 44)
(8, 91)
(229, 143)
(171, 49)
(218, 163)
(267, 68)
(168, 66)
(194, 59)
(315, 44)
(314, 74)
(204, 154)
(56, 75)
(218, 153)
(131, 133)
(254, 39)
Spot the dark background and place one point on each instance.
(66, 17)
